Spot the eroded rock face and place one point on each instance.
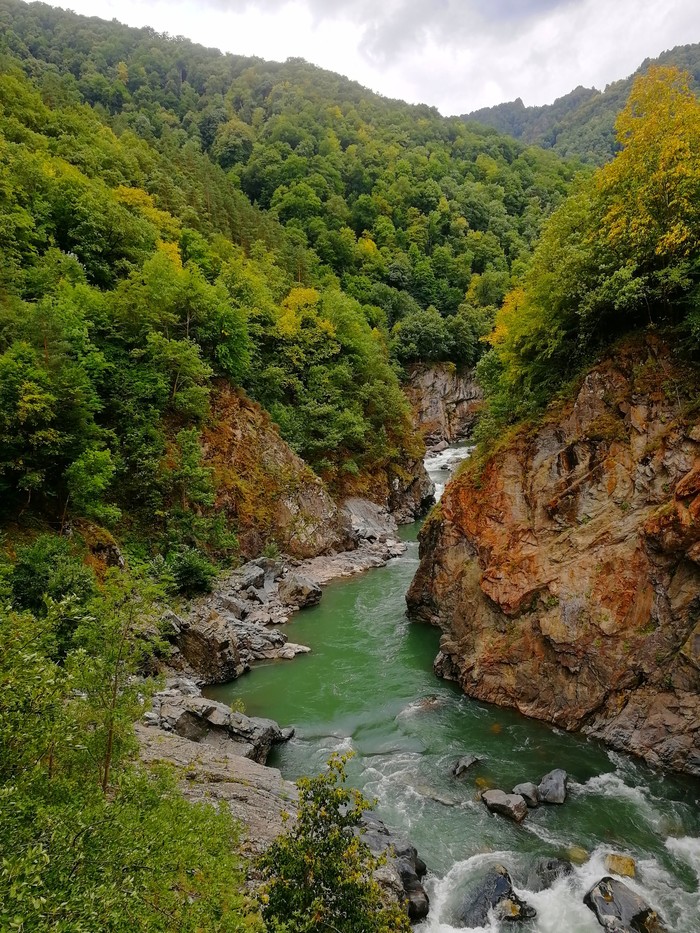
(265, 490)
(445, 402)
(573, 564)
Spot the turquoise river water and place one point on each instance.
(368, 686)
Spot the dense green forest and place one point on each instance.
(620, 255)
(172, 220)
(581, 124)
(172, 215)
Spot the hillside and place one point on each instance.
(580, 124)
(182, 216)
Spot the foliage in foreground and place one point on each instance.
(90, 840)
(318, 876)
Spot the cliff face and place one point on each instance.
(445, 402)
(566, 577)
(264, 488)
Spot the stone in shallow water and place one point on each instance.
(494, 892)
(510, 805)
(546, 872)
(552, 787)
(577, 854)
(621, 865)
(464, 764)
(621, 910)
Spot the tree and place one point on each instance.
(318, 875)
(111, 648)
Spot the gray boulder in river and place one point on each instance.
(546, 872)
(511, 805)
(464, 764)
(494, 892)
(529, 792)
(552, 787)
(619, 909)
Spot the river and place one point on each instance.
(368, 686)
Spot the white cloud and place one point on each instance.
(455, 54)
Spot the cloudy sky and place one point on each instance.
(455, 54)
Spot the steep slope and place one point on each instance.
(262, 487)
(580, 124)
(445, 401)
(566, 574)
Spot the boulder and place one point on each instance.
(238, 608)
(403, 864)
(528, 790)
(546, 872)
(493, 893)
(619, 909)
(621, 865)
(552, 787)
(511, 805)
(463, 765)
(249, 575)
(299, 591)
(209, 646)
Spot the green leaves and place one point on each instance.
(318, 875)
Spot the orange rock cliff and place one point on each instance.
(566, 574)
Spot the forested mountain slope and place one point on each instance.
(173, 216)
(580, 124)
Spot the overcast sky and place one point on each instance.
(455, 54)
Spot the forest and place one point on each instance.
(173, 219)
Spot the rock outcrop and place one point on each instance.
(182, 710)
(263, 488)
(257, 796)
(216, 767)
(571, 562)
(445, 402)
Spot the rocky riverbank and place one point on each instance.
(221, 755)
(566, 573)
(224, 633)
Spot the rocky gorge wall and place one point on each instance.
(566, 574)
(445, 402)
(271, 496)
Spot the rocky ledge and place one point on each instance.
(566, 573)
(220, 755)
(225, 632)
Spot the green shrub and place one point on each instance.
(318, 876)
(192, 571)
(47, 568)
